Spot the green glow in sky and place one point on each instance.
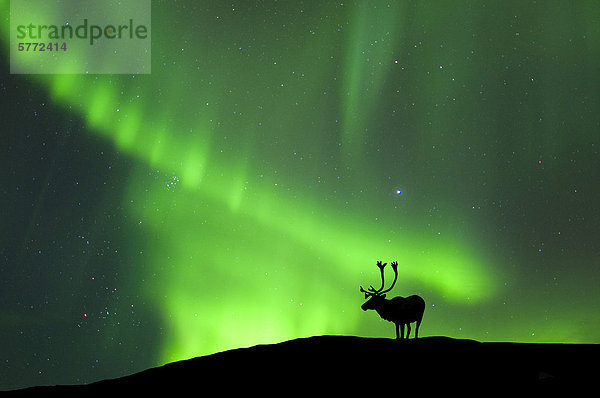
(267, 149)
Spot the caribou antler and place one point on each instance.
(394, 265)
(381, 267)
(372, 291)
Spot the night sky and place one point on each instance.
(241, 192)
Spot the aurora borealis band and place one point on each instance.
(241, 192)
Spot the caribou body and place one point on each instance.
(399, 310)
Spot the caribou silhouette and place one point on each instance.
(399, 310)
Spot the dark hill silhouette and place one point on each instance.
(346, 365)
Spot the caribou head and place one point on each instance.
(377, 297)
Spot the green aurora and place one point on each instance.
(264, 153)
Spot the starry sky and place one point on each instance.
(241, 192)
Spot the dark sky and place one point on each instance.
(241, 192)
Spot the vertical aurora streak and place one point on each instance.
(267, 146)
(375, 30)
